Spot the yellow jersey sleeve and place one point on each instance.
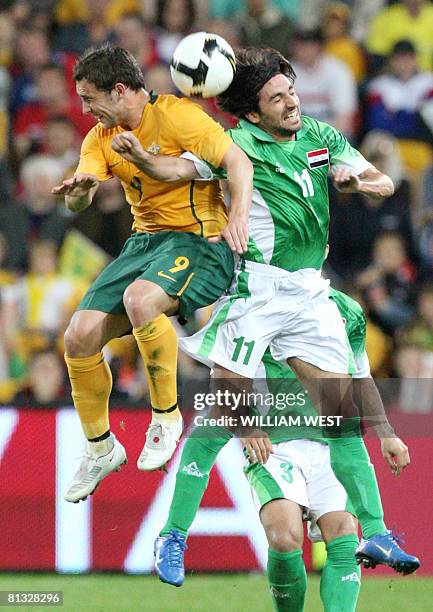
(92, 159)
(199, 133)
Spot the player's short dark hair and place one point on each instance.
(107, 65)
(254, 68)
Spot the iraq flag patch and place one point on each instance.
(318, 158)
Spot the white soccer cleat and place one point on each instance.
(100, 460)
(161, 441)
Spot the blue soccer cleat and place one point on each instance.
(168, 551)
(384, 549)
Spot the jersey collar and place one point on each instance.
(264, 136)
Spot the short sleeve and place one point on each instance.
(202, 168)
(199, 133)
(343, 154)
(92, 160)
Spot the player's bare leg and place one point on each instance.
(91, 382)
(147, 306)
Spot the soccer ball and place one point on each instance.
(203, 65)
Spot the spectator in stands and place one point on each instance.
(426, 221)
(132, 33)
(158, 78)
(175, 19)
(32, 51)
(407, 19)
(107, 222)
(53, 100)
(60, 140)
(39, 214)
(7, 39)
(263, 25)
(324, 83)
(420, 331)
(43, 299)
(356, 220)
(336, 21)
(388, 283)
(395, 98)
(227, 9)
(46, 381)
(363, 12)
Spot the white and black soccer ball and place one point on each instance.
(203, 65)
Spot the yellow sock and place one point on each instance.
(91, 383)
(157, 343)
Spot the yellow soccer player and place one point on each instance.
(179, 257)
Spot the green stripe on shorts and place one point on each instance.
(265, 486)
(209, 339)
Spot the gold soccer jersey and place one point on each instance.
(169, 126)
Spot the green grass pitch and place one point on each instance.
(207, 593)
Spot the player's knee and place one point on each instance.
(140, 303)
(284, 540)
(79, 338)
(346, 525)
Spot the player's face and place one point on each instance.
(102, 105)
(280, 113)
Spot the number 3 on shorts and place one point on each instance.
(180, 263)
(286, 468)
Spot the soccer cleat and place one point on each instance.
(168, 551)
(161, 441)
(384, 549)
(108, 456)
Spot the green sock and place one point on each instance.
(341, 576)
(287, 580)
(198, 457)
(352, 467)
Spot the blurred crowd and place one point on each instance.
(365, 66)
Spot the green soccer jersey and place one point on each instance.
(289, 217)
(288, 395)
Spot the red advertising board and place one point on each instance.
(115, 529)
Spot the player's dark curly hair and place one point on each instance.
(254, 68)
(107, 65)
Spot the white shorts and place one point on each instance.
(300, 471)
(266, 306)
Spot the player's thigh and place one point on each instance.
(190, 268)
(106, 292)
(330, 392)
(144, 300)
(282, 522)
(90, 330)
(327, 496)
(316, 335)
(337, 524)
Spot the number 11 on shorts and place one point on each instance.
(239, 344)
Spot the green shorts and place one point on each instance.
(183, 264)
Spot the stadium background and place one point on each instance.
(352, 74)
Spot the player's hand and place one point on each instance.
(77, 186)
(344, 180)
(235, 234)
(258, 446)
(129, 147)
(396, 454)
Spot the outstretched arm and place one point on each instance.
(159, 167)
(371, 182)
(240, 174)
(78, 191)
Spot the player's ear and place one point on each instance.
(120, 89)
(253, 117)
